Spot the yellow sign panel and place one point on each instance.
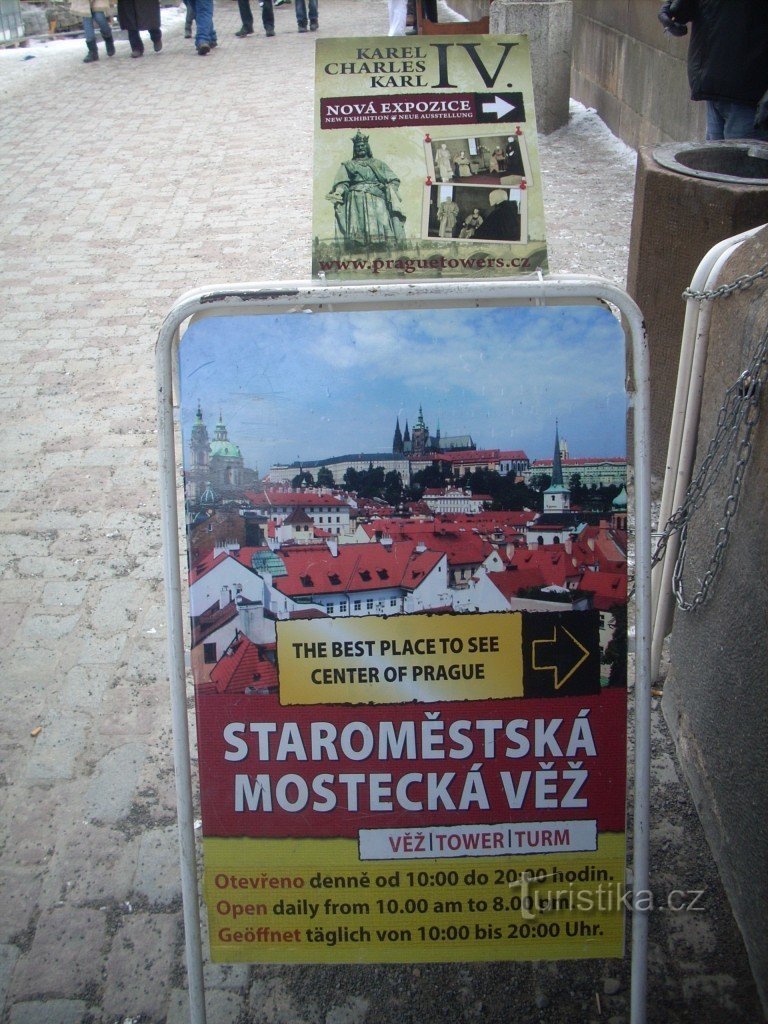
(323, 905)
(377, 660)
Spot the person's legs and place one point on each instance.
(246, 17)
(205, 37)
(156, 35)
(90, 42)
(740, 121)
(729, 120)
(100, 18)
(189, 19)
(90, 34)
(106, 31)
(313, 22)
(268, 17)
(134, 38)
(301, 13)
(715, 122)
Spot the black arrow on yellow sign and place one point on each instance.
(562, 675)
(561, 652)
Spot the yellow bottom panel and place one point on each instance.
(315, 901)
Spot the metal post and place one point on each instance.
(181, 758)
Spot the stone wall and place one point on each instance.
(633, 73)
(627, 68)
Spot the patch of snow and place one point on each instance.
(45, 51)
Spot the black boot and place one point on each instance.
(109, 42)
(93, 53)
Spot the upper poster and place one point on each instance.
(426, 159)
(407, 555)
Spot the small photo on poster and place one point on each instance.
(479, 160)
(473, 213)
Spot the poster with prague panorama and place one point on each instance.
(426, 159)
(407, 557)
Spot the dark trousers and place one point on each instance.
(267, 14)
(134, 38)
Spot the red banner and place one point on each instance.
(269, 771)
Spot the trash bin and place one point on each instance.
(736, 163)
(688, 197)
(11, 22)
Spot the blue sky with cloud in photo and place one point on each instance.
(314, 385)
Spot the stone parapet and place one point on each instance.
(547, 23)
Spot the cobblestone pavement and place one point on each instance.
(126, 183)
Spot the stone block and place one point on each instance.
(91, 865)
(158, 872)
(8, 956)
(352, 1011)
(611, 13)
(64, 595)
(272, 999)
(57, 749)
(676, 220)
(547, 23)
(113, 784)
(139, 966)
(84, 687)
(35, 817)
(116, 607)
(19, 888)
(65, 957)
(49, 1011)
(226, 976)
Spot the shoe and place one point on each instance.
(313, 26)
(157, 44)
(302, 28)
(203, 49)
(137, 53)
(270, 32)
(187, 33)
(213, 44)
(93, 53)
(244, 32)
(109, 42)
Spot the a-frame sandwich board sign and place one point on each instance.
(408, 637)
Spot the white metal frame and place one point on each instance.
(274, 298)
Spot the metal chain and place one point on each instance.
(736, 422)
(739, 285)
